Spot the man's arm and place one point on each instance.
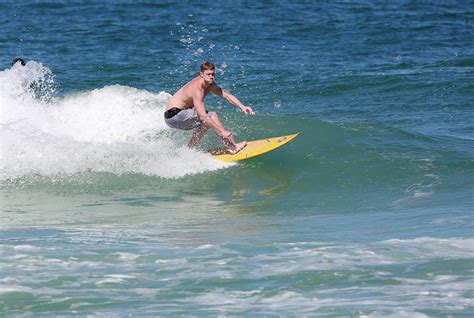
(216, 90)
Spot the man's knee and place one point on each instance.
(212, 115)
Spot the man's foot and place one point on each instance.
(237, 147)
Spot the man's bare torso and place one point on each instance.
(183, 98)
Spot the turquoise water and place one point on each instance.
(367, 213)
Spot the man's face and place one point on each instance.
(208, 75)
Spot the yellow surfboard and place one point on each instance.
(253, 148)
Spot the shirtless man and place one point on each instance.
(186, 109)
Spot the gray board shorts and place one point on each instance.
(185, 119)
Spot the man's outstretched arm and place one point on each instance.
(216, 90)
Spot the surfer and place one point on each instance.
(186, 109)
(18, 60)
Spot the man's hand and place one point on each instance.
(228, 137)
(247, 110)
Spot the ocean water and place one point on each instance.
(367, 213)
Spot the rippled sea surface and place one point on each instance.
(367, 213)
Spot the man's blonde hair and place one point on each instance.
(207, 66)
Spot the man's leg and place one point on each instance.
(197, 135)
(202, 129)
(229, 141)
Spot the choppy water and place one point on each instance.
(368, 213)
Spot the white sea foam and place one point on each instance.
(27, 248)
(115, 279)
(435, 247)
(309, 257)
(360, 280)
(204, 247)
(127, 256)
(397, 314)
(405, 300)
(6, 289)
(114, 129)
(172, 262)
